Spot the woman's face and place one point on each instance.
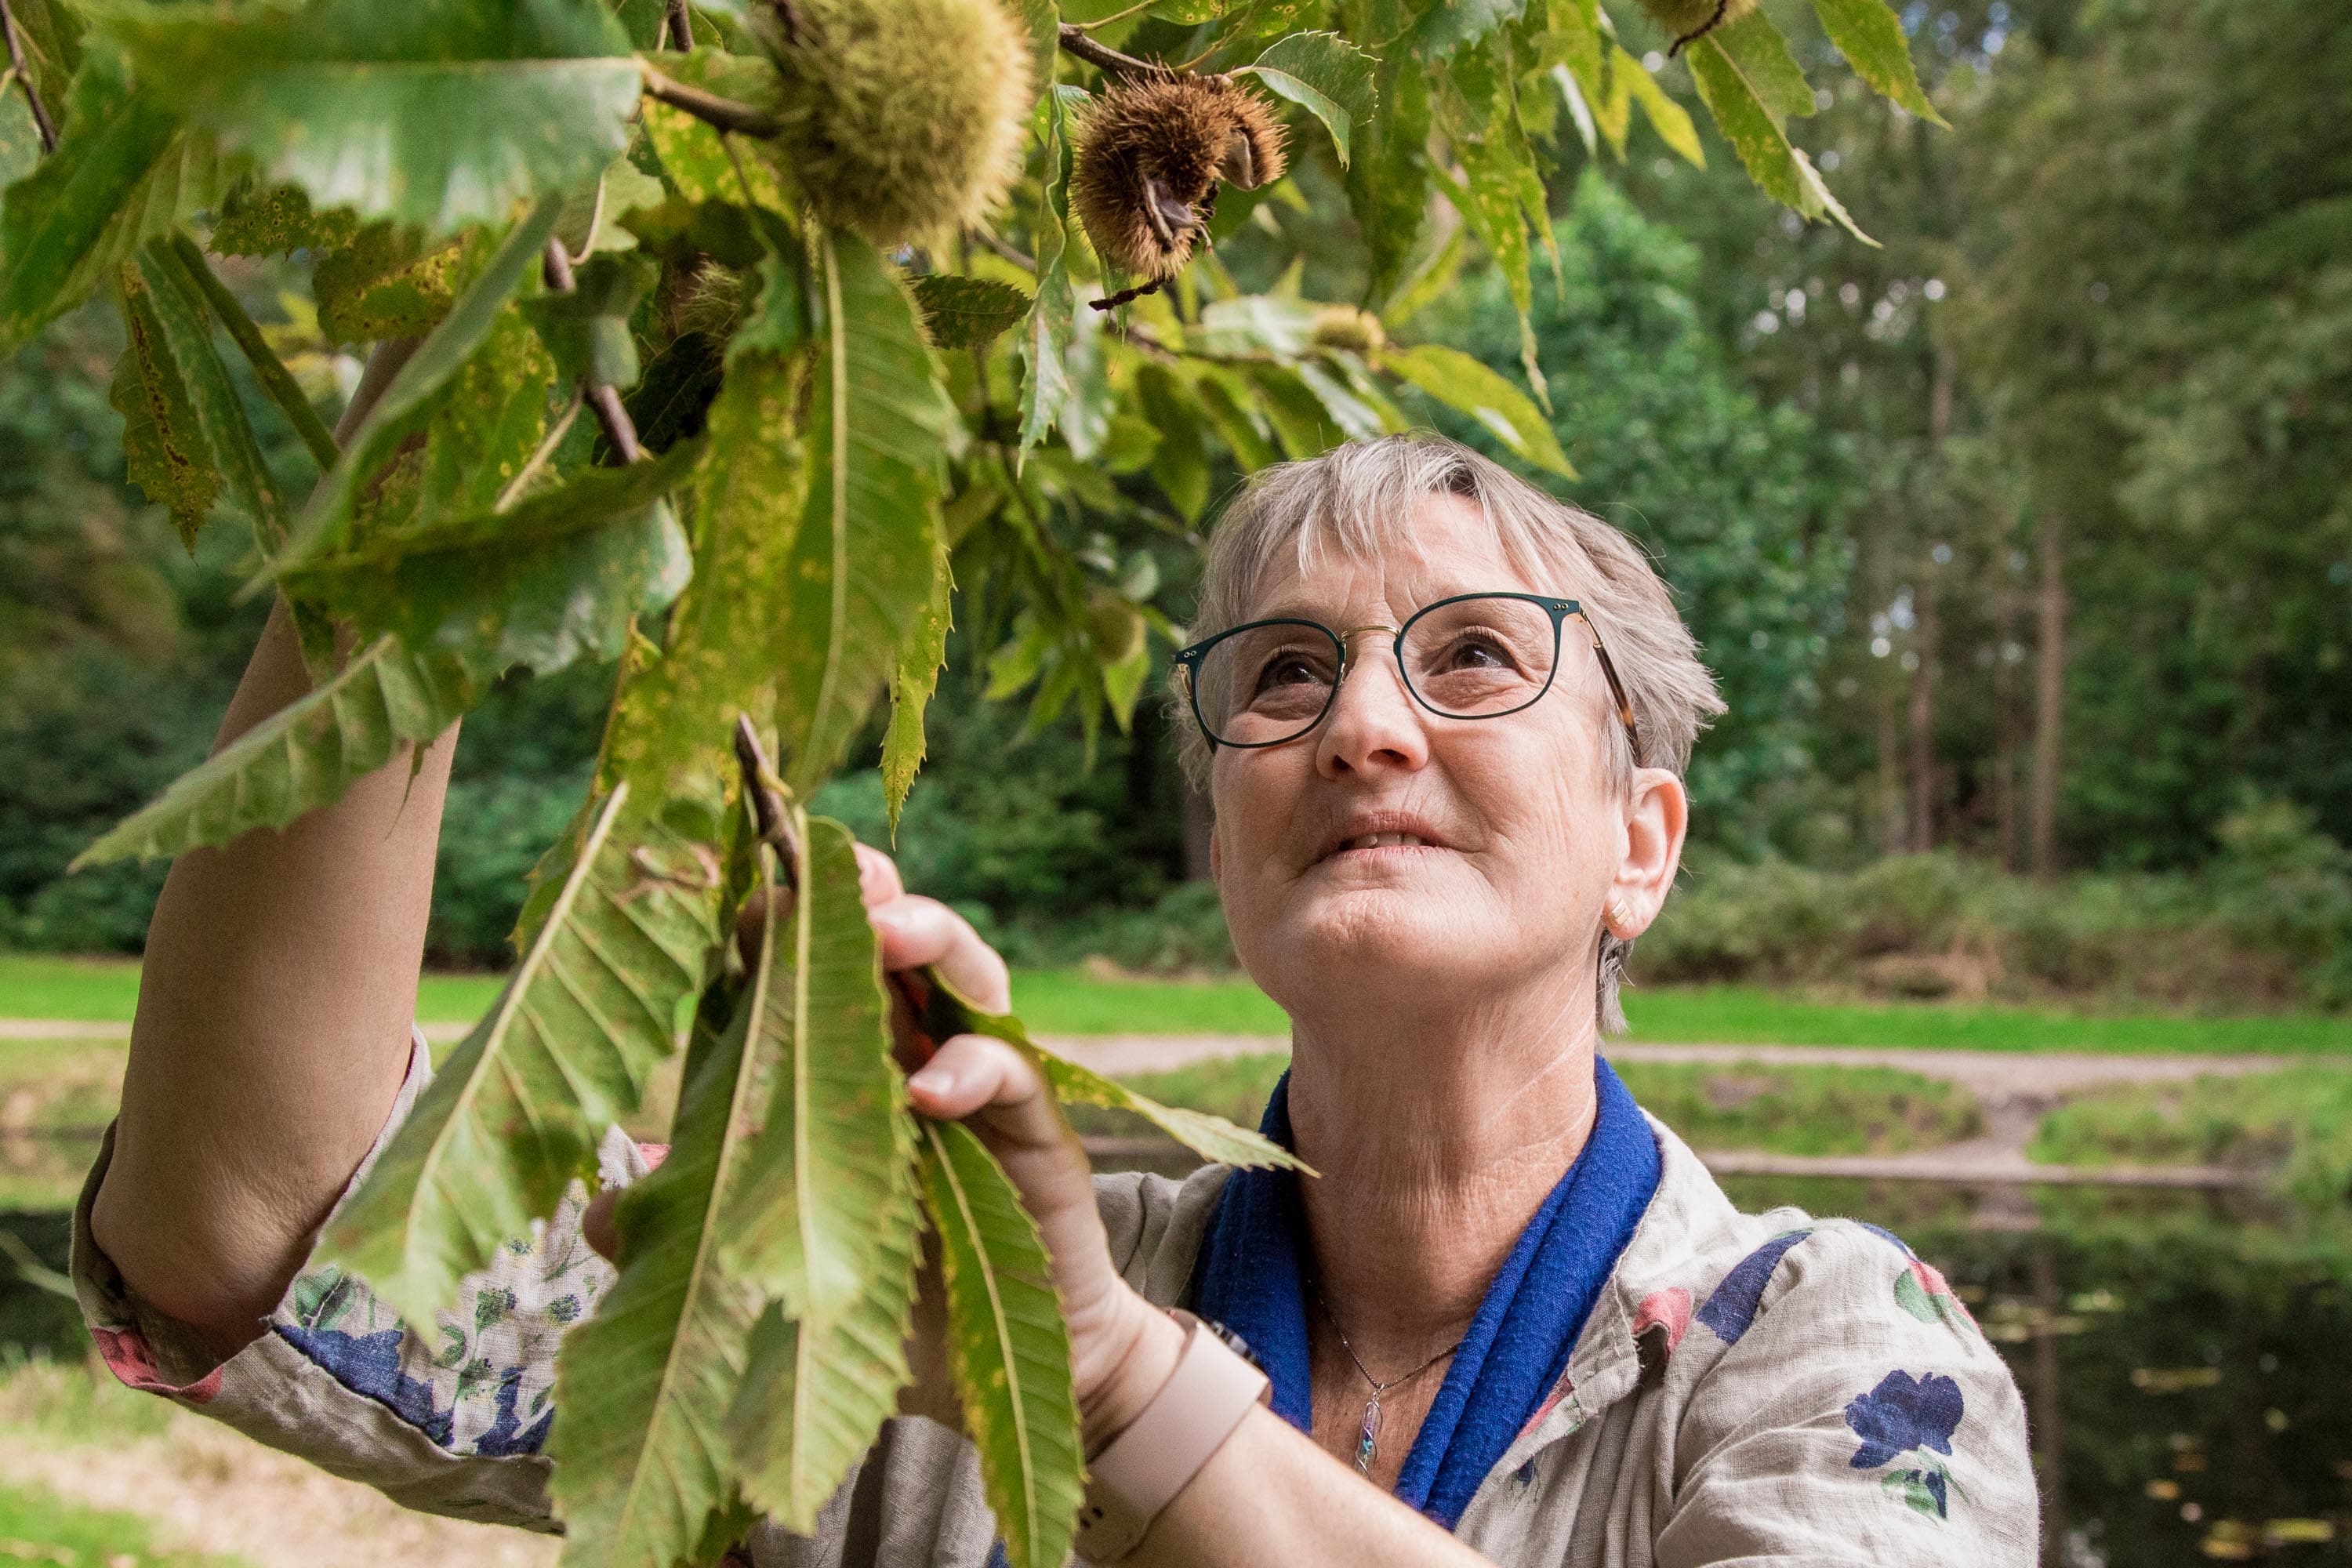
(1512, 833)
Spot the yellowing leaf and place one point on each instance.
(1007, 1347)
(1464, 384)
(1870, 35)
(1669, 120)
(911, 685)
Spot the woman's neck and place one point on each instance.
(1437, 1138)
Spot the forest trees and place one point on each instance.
(702, 350)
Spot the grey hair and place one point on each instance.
(1362, 499)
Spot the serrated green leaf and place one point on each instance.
(163, 444)
(967, 313)
(1007, 1346)
(267, 368)
(440, 116)
(271, 220)
(878, 424)
(1356, 418)
(602, 993)
(674, 716)
(1296, 414)
(1327, 75)
(412, 393)
(484, 426)
(1465, 386)
(1746, 122)
(557, 578)
(1870, 35)
(587, 329)
(642, 1389)
(947, 1012)
(1756, 46)
(1823, 200)
(828, 1102)
(920, 659)
(299, 758)
(124, 171)
(823, 1217)
(175, 301)
(1669, 120)
(1045, 338)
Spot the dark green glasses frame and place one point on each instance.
(1189, 660)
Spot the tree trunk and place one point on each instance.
(2049, 696)
(2004, 725)
(1923, 722)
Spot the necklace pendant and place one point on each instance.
(1369, 1442)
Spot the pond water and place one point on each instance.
(2185, 1358)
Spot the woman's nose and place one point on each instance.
(1374, 723)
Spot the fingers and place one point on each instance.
(878, 877)
(917, 930)
(973, 1073)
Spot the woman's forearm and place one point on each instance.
(272, 1030)
(1271, 1498)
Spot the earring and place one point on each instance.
(1618, 917)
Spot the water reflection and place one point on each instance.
(2185, 1358)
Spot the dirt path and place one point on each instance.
(204, 1488)
(2013, 1088)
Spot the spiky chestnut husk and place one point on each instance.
(1147, 155)
(1346, 327)
(902, 118)
(1691, 20)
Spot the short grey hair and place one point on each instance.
(1362, 498)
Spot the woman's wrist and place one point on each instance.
(1134, 1354)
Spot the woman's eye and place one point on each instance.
(1290, 671)
(1478, 653)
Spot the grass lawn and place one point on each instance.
(1780, 1110)
(37, 1528)
(1077, 1002)
(2298, 1122)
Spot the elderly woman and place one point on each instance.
(1442, 720)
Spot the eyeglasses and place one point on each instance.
(1475, 655)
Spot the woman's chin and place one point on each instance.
(1343, 941)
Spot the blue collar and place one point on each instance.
(1247, 1278)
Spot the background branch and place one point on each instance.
(25, 77)
(680, 27)
(1076, 42)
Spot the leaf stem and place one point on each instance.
(602, 400)
(1020, 258)
(41, 120)
(267, 368)
(709, 106)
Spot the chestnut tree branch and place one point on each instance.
(1076, 42)
(724, 112)
(680, 27)
(603, 401)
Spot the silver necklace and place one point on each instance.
(1367, 1441)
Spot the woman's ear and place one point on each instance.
(1657, 815)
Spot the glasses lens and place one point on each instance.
(1478, 657)
(1266, 684)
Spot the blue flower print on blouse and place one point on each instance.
(1909, 1419)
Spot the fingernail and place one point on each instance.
(933, 1079)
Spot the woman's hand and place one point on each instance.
(1121, 1347)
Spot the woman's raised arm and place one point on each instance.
(272, 1031)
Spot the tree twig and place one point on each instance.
(1021, 258)
(602, 401)
(724, 112)
(680, 27)
(41, 122)
(1075, 42)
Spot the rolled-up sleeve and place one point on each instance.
(1854, 1415)
(449, 1419)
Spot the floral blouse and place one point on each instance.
(1766, 1389)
